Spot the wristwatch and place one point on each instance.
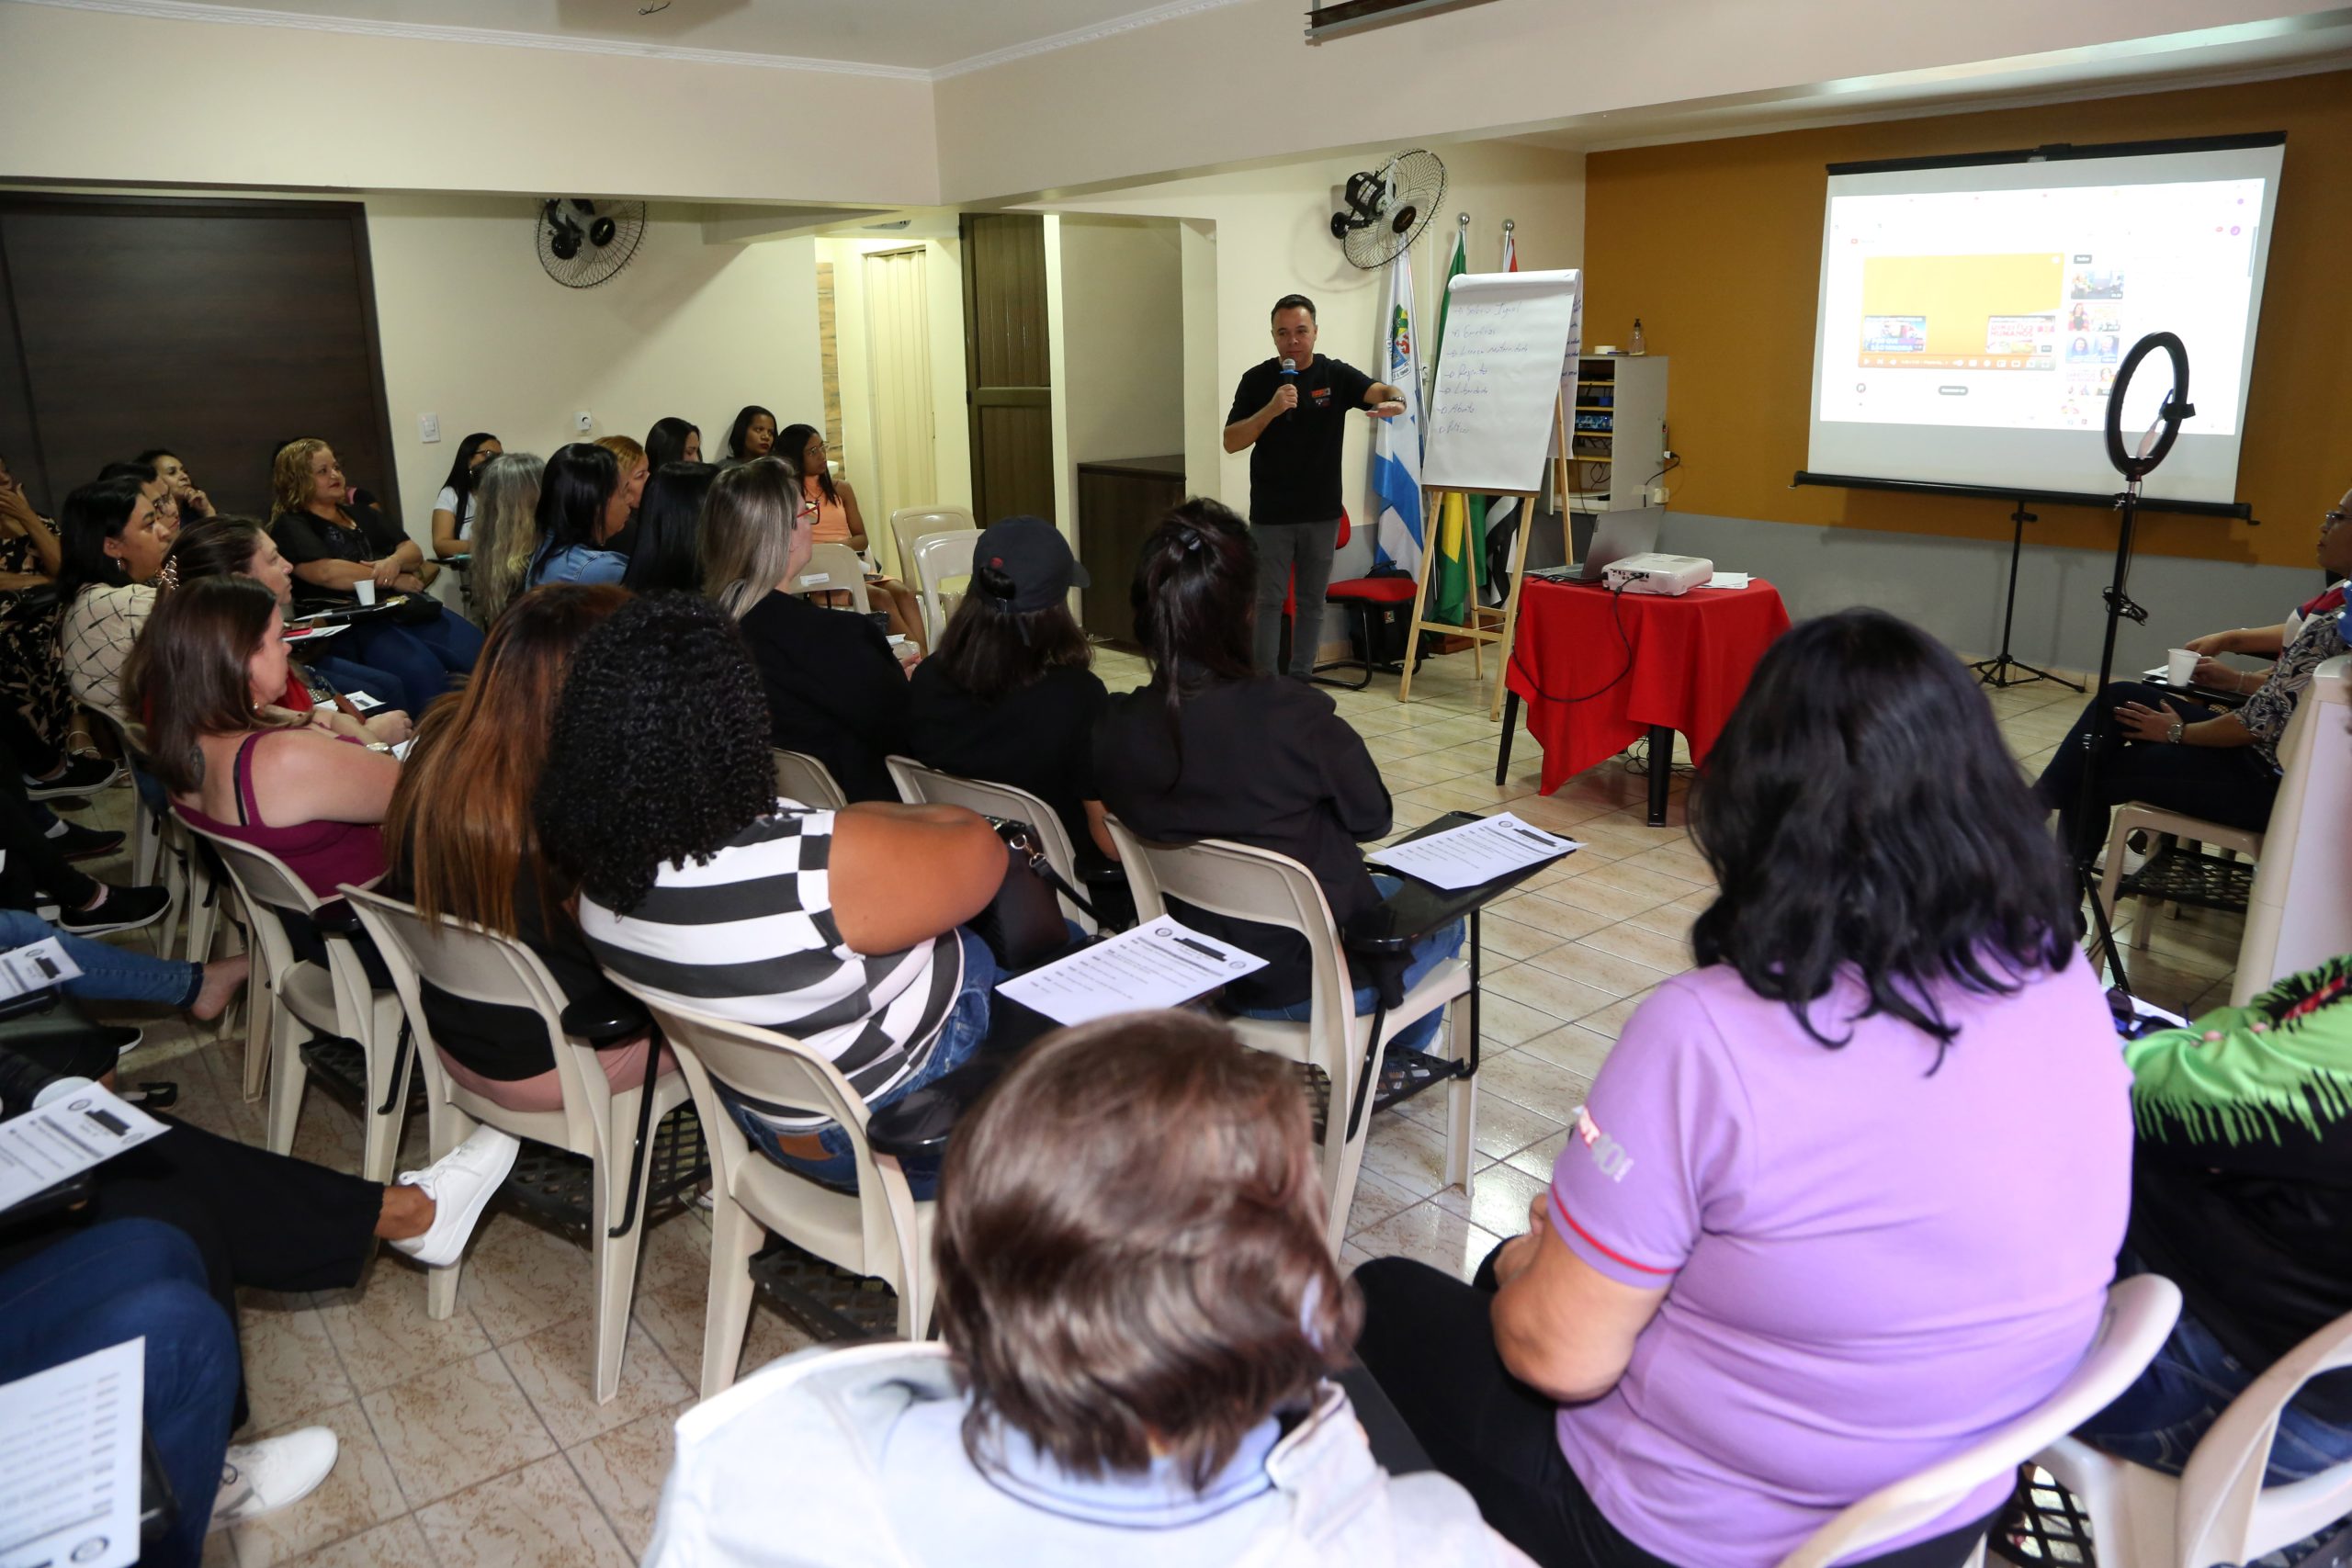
(2172, 734)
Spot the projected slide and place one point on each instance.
(1971, 334)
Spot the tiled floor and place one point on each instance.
(478, 1441)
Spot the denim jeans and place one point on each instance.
(1428, 953)
(2157, 1421)
(966, 1027)
(348, 675)
(427, 659)
(109, 974)
(116, 1281)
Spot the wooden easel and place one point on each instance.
(1483, 629)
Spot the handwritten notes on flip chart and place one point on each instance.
(1510, 347)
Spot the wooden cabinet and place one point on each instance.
(1119, 501)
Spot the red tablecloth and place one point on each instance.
(1691, 661)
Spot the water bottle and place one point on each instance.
(1638, 346)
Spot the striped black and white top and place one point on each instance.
(750, 936)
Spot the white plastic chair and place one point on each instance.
(596, 1120)
(2216, 1510)
(879, 1231)
(2138, 1316)
(1242, 883)
(834, 569)
(909, 524)
(921, 784)
(146, 827)
(2300, 913)
(2139, 816)
(800, 777)
(340, 1001)
(942, 558)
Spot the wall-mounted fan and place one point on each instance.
(1388, 208)
(581, 243)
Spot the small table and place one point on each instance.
(1600, 669)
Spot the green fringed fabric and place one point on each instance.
(2285, 1058)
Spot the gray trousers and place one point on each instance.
(1283, 547)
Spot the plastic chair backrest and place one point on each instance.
(766, 1066)
(800, 777)
(2225, 1514)
(920, 785)
(480, 965)
(262, 876)
(2300, 913)
(1245, 884)
(909, 524)
(834, 569)
(2139, 1317)
(941, 559)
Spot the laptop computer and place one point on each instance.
(1615, 535)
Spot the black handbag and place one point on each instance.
(1023, 924)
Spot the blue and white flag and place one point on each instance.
(1396, 443)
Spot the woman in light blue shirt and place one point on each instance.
(581, 506)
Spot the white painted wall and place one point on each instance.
(1252, 237)
(474, 331)
(1227, 84)
(1118, 343)
(300, 108)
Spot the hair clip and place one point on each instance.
(169, 578)
(1191, 539)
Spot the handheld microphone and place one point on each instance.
(1290, 371)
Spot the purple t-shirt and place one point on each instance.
(1866, 1268)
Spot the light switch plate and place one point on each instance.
(428, 428)
(583, 421)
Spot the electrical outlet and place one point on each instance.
(583, 421)
(428, 428)
(1657, 495)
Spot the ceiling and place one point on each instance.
(912, 37)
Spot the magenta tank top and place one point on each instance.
(325, 855)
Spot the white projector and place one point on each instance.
(1651, 572)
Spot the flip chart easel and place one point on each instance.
(1512, 341)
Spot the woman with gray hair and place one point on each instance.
(834, 689)
(505, 535)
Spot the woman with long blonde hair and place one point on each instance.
(506, 532)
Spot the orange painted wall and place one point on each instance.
(1716, 245)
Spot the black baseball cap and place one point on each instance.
(1033, 553)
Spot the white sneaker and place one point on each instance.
(261, 1478)
(460, 1185)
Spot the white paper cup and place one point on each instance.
(2180, 664)
(366, 588)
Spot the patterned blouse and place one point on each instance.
(94, 642)
(2273, 704)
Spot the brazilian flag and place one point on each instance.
(1460, 535)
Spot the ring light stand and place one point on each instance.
(2135, 464)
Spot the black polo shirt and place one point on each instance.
(1294, 465)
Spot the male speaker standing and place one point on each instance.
(1290, 412)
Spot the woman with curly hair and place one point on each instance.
(464, 844)
(840, 928)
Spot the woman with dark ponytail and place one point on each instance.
(1211, 750)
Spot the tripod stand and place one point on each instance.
(1995, 671)
(2134, 466)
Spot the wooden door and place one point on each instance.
(1008, 366)
(213, 328)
